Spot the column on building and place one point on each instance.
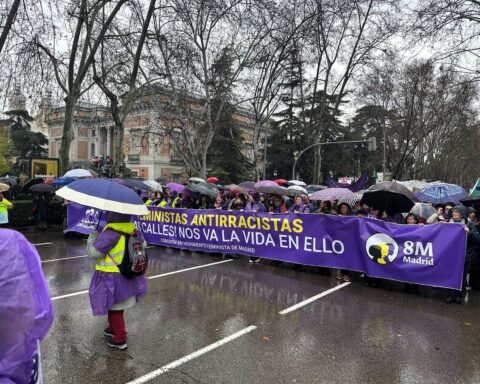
(109, 141)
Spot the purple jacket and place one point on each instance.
(107, 289)
(257, 206)
(302, 208)
(26, 314)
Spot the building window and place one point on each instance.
(175, 177)
(94, 132)
(92, 149)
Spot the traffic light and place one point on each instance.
(372, 144)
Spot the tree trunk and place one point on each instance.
(67, 136)
(203, 170)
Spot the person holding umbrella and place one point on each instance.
(5, 205)
(111, 292)
(459, 216)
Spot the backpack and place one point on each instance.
(135, 259)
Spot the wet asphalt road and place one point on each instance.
(353, 335)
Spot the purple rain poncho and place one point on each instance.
(26, 311)
(110, 288)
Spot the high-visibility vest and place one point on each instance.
(116, 253)
(148, 202)
(162, 204)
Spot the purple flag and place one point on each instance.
(355, 187)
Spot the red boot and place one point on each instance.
(117, 326)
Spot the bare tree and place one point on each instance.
(8, 14)
(345, 38)
(118, 79)
(188, 39)
(89, 22)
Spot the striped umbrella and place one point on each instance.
(331, 194)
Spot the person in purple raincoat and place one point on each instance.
(254, 203)
(26, 311)
(111, 293)
(299, 205)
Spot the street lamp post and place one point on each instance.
(372, 145)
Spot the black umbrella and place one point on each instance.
(8, 180)
(138, 184)
(30, 183)
(42, 188)
(389, 196)
(274, 190)
(471, 201)
(204, 189)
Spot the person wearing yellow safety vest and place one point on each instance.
(157, 201)
(5, 205)
(111, 292)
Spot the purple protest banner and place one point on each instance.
(83, 219)
(431, 255)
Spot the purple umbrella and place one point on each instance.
(179, 188)
(331, 194)
(265, 183)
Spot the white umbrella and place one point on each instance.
(296, 189)
(196, 180)
(154, 185)
(297, 182)
(78, 173)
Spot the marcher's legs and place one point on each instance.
(117, 325)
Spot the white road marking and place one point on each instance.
(64, 258)
(42, 244)
(151, 277)
(189, 269)
(194, 355)
(313, 298)
(69, 295)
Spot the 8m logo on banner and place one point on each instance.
(383, 249)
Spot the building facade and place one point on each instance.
(148, 154)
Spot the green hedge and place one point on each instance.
(21, 214)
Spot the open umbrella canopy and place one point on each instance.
(42, 188)
(315, 188)
(9, 180)
(105, 195)
(132, 183)
(441, 193)
(179, 188)
(62, 181)
(423, 210)
(265, 183)
(28, 184)
(331, 194)
(389, 196)
(281, 181)
(297, 182)
(278, 190)
(472, 201)
(48, 180)
(234, 187)
(204, 189)
(213, 179)
(250, 185)
(154, 186)
(79, 172)
(196, 180)
(297, 190)
(4, 187)
(413, 185)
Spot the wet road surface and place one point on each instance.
(218, 321)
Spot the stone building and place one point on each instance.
(146, 154)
